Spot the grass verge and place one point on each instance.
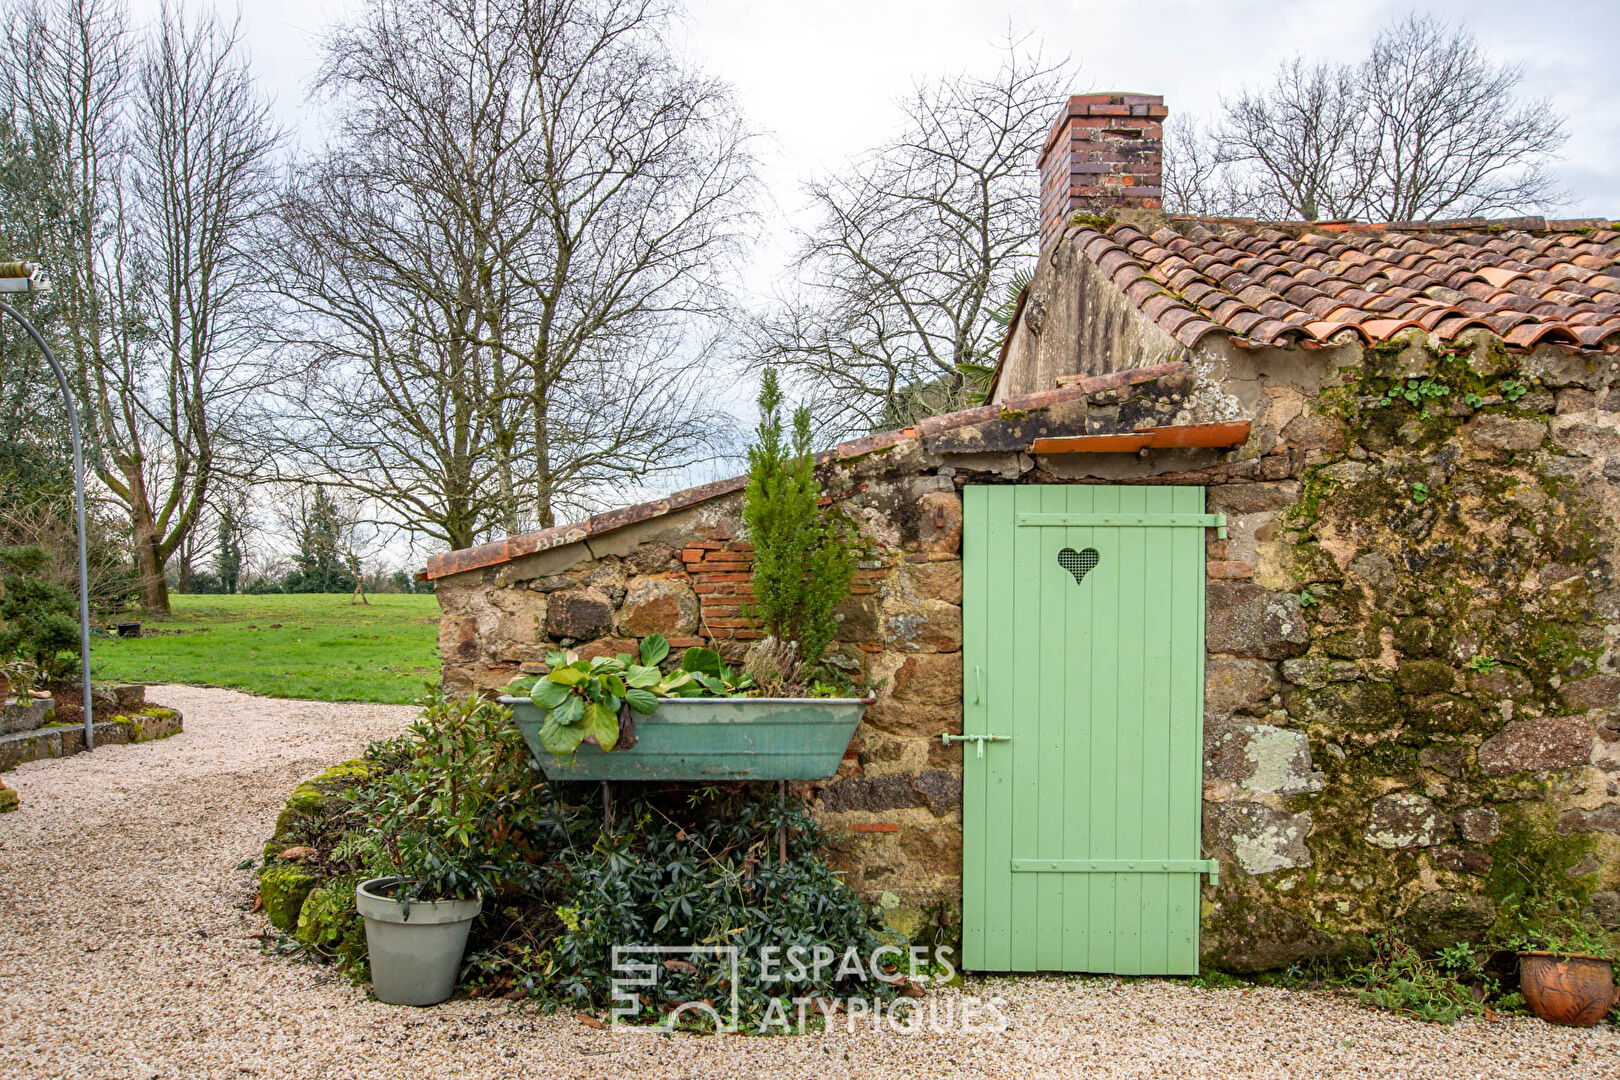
(314, 646)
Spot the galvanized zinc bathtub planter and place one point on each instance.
(712, 739)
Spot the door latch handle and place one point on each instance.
(948, 738)
(978, 674)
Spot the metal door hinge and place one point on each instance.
(948, 738)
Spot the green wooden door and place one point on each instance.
(1083, 645)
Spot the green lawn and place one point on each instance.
(316, 646)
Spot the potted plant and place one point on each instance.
(423, 834)
(614, 718)
(785, 717)
(1566, 971)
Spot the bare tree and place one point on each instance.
(512, 257)
(1425, 126)
(1453, 137)
(1197, 179)
(161, 171)
(914, 248)
(1303, 140)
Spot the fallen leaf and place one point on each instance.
(591, 1022)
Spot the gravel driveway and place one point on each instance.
(126, 950)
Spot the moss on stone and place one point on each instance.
(1350, 706)
(1442, 714)
(330, 925)
(130, 724)
(315, 800)
(1424, 677)
(283, 889)
(1245, 931)
(1531, 860)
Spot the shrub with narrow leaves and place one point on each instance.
(804, 558)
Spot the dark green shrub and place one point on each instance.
(713, 878)
(459, 816)
(804, 559)
(41, 620)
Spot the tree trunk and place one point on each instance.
(543, 491)
(149, 564)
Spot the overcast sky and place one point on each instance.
(821, 77)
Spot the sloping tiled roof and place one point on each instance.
(1007, 418)
(1528, 280)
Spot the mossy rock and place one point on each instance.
(1354, 706)
(149, 724)
(1419, 677)
(1446, 714)
(315, 800)
(1441, 919)
(1356, 644)
(330, 925)
(1531, 858)
(284, 889)
(1245, 933)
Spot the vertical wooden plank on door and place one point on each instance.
(975, 610)
(1053, 591)
(1130, 629)
(1079, 641)
(1001, 707)
(1158, 548)
(1103, 917)
(1025, 715)
(1187, 719)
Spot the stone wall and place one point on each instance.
(894, 808)
(1410, 707)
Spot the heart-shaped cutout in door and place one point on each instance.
(1079, 563)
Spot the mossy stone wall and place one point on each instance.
(1410, 710)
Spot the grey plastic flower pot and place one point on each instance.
(414, 952)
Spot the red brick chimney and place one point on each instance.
(1104, 154)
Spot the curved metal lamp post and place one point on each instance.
(25, 277)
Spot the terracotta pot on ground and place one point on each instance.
(1576, 991)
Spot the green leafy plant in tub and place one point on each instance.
(590, 700)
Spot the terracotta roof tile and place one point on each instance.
(1529, 280)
